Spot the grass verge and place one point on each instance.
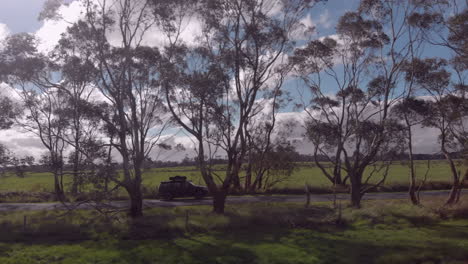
(381, 232)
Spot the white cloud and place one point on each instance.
(191, 29)
(175, 154)
(21, 144)
(7, 91)
(311, 25)
(308, 22)
(4, 31)
(324, 20)
(49, 34)
(273, 7)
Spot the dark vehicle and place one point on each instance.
(178, 186)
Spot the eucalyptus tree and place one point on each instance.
(265, 137)
(21, 164)
(29, 71)
(238, 60)
(446, 110)
(458, 43)
(52, 92)
(4, 158)
(352, 78)
(413, 112)
(444, 24)
(270, 154)
(113, 35)
(273, 166)
(68, 75)
(8, 112)
(313, 61)
(77, 73)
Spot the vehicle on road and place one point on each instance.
(179, 186)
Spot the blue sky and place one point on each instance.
(21, 16)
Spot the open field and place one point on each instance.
(306, 173)
(382, 232)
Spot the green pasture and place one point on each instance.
(382, 232)
(299, 247)
(306, 173)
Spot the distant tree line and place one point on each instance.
(28, 163)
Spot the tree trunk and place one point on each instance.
(57, 187)
(355, 192)
(109, 164)
(76, 159)
(248, 178)
(219, 201)
(453, 196)
(345, 180)
(136, 207)
(307, 189)
(248, 173)
(337, 173)
(462, 185)
(253, 186)
(338, 179)
(75, 183)
(455, 191)
(76, 175)
(412, 186)
(256, 185)
(136, 202)
(106, 182)
(412, 190)
(236, 181)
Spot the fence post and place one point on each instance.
(187, 220)
(25, 222)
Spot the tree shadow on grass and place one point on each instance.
(452, 231)
(268, 245)
(46, 233)
(219, 252)
(335, 248)
(261, 235)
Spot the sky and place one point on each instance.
(21, 16)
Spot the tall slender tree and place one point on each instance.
(237, 61)
(444, 24)
(364, 61)
(413, 112)
(24, 68)
(113, 35)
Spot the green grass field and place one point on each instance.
(383, 232)
(306, 173)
